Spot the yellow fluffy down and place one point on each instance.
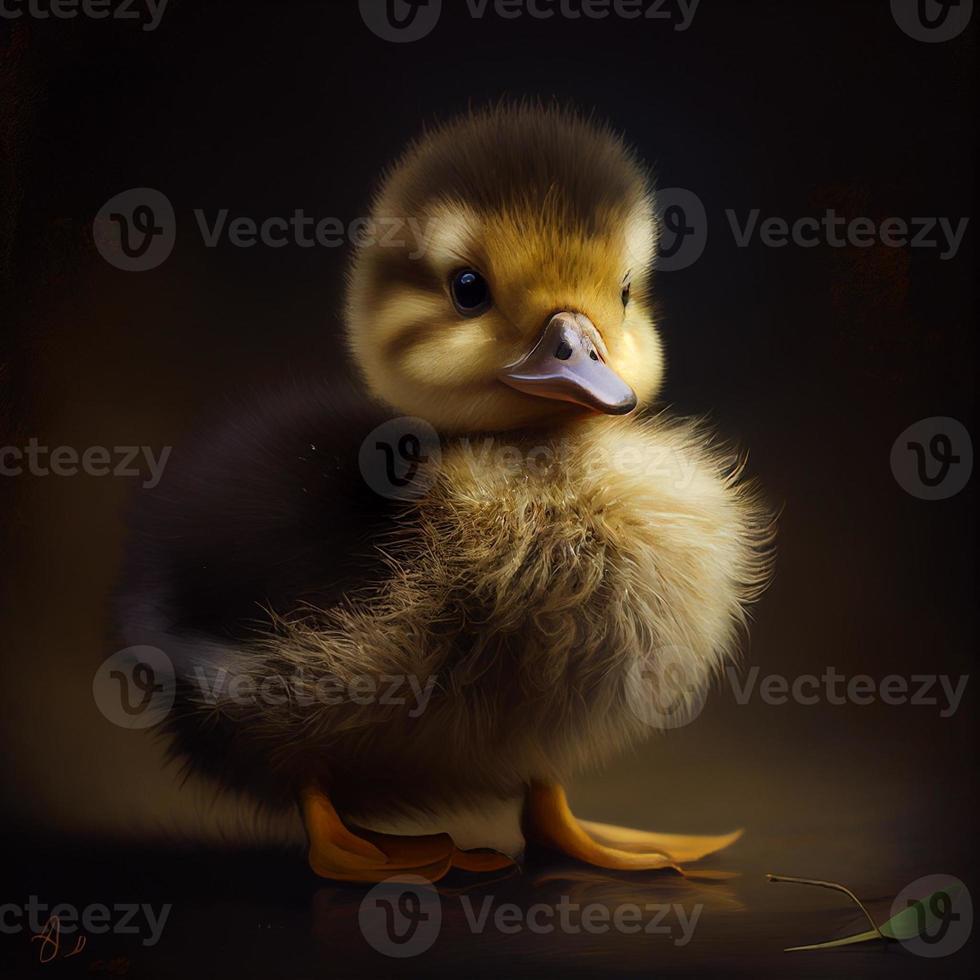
(543, 583)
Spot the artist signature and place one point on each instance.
(50, 939)
(50, 949)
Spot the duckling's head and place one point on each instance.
(506, 279)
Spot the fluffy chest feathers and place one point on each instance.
(540, 583)
(591, 549)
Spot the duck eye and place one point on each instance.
(471, 293)
(626, 294)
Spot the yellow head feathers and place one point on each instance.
(509, 217)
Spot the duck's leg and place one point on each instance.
(549, 821)
(337, 852)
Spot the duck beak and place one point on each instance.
(568, 363)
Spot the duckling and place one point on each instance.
(567, 546)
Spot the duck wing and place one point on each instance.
(265, 511)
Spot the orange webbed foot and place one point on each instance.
(341, 854)
(549, 821)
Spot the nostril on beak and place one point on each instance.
(581, 375)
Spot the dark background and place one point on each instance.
(813, 359)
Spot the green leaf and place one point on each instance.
(859, 937)
(916, 920)
(919, 917)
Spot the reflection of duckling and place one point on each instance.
(513, 314)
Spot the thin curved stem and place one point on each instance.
(833, 886)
